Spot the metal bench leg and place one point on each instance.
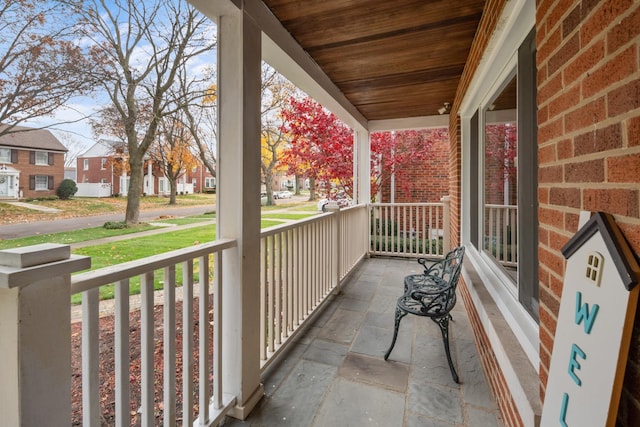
(443, 322)
(399, 315)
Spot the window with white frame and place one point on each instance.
(85, 164)
(503, 152)
(5, 155)
(103, 164)
(163, 185)
(42, 182)
(42, 158)
(209, 182)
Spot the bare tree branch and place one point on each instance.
(139, 49)
(41, 64)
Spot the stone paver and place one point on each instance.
(335, 375)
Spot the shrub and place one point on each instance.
(67, 189)
(115, 225)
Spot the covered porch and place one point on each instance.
(334, 372)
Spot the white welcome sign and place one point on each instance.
(596, 317)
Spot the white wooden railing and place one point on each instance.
(202, 261)
(501, 238)
(301, 265)
(410, 229)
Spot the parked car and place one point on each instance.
(283, 194)
(343, 202)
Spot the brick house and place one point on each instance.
(105, 163)
(31, 163)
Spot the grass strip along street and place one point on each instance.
(104, 255)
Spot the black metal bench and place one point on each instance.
(432, 294)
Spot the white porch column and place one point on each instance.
(35, 334)
(150, 184)
(362, 166)
(238, 204)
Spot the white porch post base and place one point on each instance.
(242, 411)
(35, 334)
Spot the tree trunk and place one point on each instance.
(132, 214)
(268, 181)
(298, 184)
(312, 189)
(174, 189)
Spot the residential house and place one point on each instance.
(102, 164)
(31, 163)
(565, 74)
(105, 164)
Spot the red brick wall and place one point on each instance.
(94, 173)
(429, 183)
(26, 169)
(589, 145)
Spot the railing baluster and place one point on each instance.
(147, 349)
(187, 344)
(169, 344)
(90, 358)
(270, 292)
(514, 234)
(296, 276)
(263, 299)
(425, 232)
(217, 331)
(289, 281)
(122, 354)
(307, 272)
(204, 341)
(277, 267)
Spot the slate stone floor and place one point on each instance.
(335, 374)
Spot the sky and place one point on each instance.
(76, 111)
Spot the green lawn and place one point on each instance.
(290, 216)
(185, 221)
(108, 254)
(312, 207)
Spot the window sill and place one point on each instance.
(520, 372)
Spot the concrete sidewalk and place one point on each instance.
(164, 228)
(32, 206)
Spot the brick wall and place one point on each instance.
(94, 173)
(589, 146)
(26, 170)
(429, 183)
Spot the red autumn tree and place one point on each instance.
(321, 149)
(501, 150)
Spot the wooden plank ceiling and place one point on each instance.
(391, 59)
